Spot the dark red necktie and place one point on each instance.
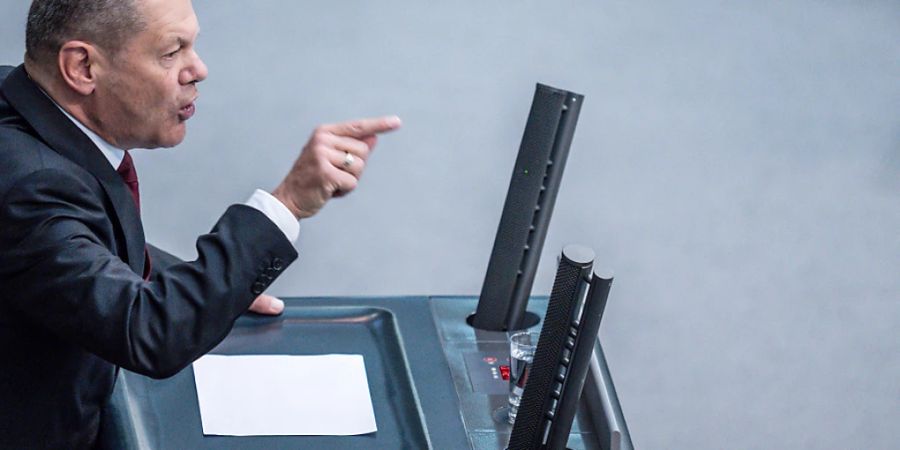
(129, 176)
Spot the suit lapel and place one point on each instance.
(66, 139)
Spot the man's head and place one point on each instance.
(125, 68)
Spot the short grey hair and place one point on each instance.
(105, 23)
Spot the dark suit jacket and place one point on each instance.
(73, 306)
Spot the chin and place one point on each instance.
(174, 138)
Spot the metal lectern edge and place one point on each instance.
(603, 403)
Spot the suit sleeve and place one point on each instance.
(56, 270)
(161, 260)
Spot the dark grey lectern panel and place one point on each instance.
(409, 381)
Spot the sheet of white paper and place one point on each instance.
(250, 395)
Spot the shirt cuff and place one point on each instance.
(282, 217)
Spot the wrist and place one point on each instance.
(285, 200)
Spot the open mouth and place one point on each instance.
(186, 112)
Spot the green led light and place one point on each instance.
(526, 171)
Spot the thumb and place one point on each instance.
(267, 304)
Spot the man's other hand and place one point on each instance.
(331, 163)
(266, 304)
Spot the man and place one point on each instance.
(81, 294)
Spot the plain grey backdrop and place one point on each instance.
(736, 165)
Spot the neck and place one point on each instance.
(77, 105)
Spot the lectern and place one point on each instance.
(434, 363)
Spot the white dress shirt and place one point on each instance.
(261, 200)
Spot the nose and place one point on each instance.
(195, 72)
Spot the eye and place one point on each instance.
(172, 54)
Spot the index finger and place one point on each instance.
(364, 127)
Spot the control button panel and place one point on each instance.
(488, 372)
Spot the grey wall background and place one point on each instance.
(736, 165)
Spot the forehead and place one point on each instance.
(168, 19)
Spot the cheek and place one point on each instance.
(160, 104)
(143, 103)
(158, 91)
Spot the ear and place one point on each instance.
(76, 66)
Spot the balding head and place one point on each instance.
(125, 69)
(108, 24)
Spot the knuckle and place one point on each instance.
(320, 134)
(320, 149)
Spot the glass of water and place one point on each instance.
(521, 357)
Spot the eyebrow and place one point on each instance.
(177, 38)
(182, 41)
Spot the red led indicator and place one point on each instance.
(504, 372)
